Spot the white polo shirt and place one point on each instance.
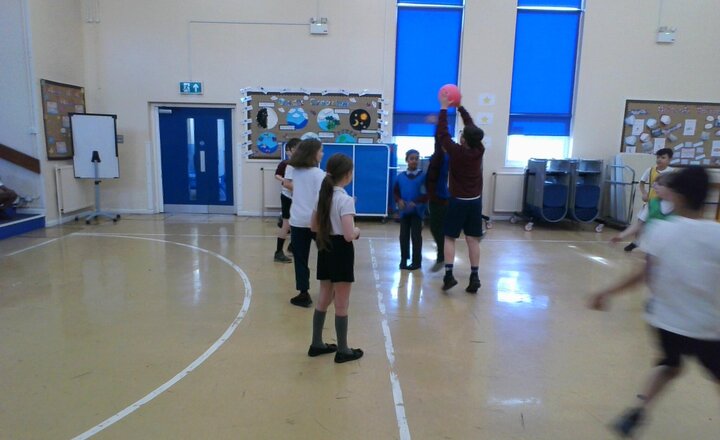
(306, 186)
(685, 276)
(342, 204)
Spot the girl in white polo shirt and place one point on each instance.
(305, 177)
(334, 224)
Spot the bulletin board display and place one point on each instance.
(690, 129)
(58, 101)
(275, 118)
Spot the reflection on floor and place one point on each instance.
(191, 313)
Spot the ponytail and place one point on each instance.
(338, 166)
(324, 226)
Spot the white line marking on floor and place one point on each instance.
(196, 363)
(390, 353)
(33, 247)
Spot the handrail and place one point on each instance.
(20, 159)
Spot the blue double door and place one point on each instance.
(196, 156)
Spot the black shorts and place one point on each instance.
(463, 215)
(338, 263)
(285, 203)
(675, 346)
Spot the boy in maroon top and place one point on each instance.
(466, 185)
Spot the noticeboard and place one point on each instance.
(275, 118)
(58, 101)
(690, 129)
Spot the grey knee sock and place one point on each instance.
(341, 327)
(318, 323)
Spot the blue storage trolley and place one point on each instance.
(585, 190)
(545, 191)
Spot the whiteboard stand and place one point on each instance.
(99, 213)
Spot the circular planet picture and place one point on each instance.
(359, 119)
(309, 135)
(327, 119)
(297, 117)
(267, 143)
(345, 138)
(267, 118)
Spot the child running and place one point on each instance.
(657, 208)
(682, 271)
(334, 224)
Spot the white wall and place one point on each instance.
(17, 112)
(138, 52)
(57, 54)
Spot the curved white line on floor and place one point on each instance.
(196, 363)
(403, 427)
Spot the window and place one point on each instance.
(543, 82)
(424, 62)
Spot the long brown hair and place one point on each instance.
(338, 166)
(305, 155)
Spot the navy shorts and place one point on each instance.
(465, 216)
(285, 203)
(675, 346)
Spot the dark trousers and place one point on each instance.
(411, 225)
(301, 240)
(437, 219)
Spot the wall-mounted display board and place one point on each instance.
(58, 101)
(273, 118)
(690, 129)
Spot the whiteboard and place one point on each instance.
(94, 132)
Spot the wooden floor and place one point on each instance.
(179, 327)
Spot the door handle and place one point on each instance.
(202, 161)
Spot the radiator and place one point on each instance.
(507, 192)
(72, 194)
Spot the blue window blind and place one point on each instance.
(544, 71)
(552, 3)
(433, 2)
(424, 62)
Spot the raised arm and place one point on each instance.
(467, 119)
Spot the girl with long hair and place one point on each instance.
(334, 223)
(305, 178)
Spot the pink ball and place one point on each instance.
(452, 92)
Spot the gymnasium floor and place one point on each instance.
(179, 327)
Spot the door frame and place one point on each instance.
(155, 183)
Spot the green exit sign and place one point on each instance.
(191, 88)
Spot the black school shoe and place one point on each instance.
(448, 281)
(626, 425)
(414, 266)
(630, 247)
(346, 357)
(301, 300)
(280, 257)
(474, 284)
(317, 351)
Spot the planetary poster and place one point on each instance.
(273, 118)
